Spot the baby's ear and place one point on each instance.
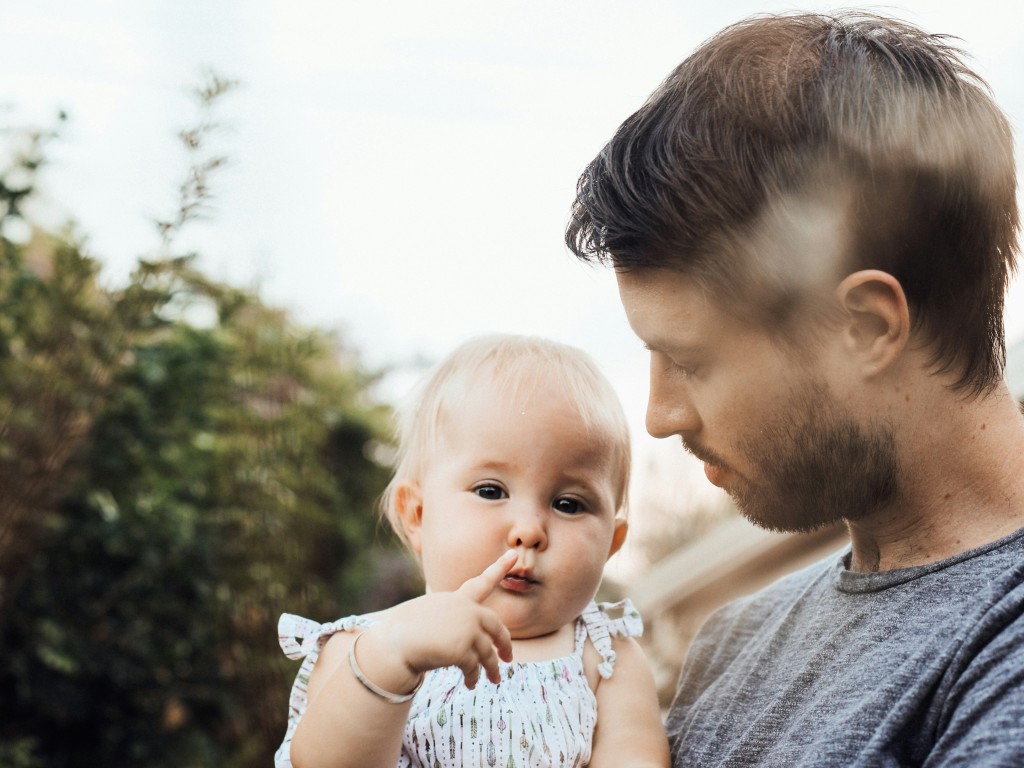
(619, 536)
(409, 505)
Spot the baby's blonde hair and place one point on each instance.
(515, 364)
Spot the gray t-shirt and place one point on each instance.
(828, 667)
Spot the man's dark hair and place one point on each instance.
(779, 117)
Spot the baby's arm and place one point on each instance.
(629, 729)
(345, 724)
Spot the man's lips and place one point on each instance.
(715, 469)
(715, 474)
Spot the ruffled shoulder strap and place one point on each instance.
(299, 637)
(606, 620)
(304, 639)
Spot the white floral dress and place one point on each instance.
(541, 713)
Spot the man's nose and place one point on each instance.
(670, 410)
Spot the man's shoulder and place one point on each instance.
(786, 588)
(751, 612)
(935, 654)
(992, 574)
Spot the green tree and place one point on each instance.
(60, 340)
(179, 463)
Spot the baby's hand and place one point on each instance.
(445, 629)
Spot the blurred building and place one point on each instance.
(735, 558)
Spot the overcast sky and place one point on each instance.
(400, 170)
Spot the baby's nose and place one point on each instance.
(528, 529)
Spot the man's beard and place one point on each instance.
(813, 466)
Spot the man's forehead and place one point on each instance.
(666, 306)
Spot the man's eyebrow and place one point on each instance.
(675, 347)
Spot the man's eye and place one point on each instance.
(684, 370)
(569, 506)
(671, 365)
(490, 492)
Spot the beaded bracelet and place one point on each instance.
(390, 698)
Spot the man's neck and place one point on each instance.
(961, 486)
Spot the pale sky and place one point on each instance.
(400, 170)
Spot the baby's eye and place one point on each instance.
(569, 506)
(490, 492)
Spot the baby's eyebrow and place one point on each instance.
(585, 480)
(491, 464)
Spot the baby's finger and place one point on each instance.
(479, 587)
(488, 659)
(500, 637)
(491, 668)
(471, 674)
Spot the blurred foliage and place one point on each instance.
(179, 463)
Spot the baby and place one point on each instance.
(510, 489)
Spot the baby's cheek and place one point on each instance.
(442, 574)
(589, 568)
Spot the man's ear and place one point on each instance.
(619, 536)
(409, 505)
(877, 319)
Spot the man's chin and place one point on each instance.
(783, 518)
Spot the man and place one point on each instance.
(812, 223)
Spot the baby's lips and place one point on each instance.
(521, 573)
(519, 581)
